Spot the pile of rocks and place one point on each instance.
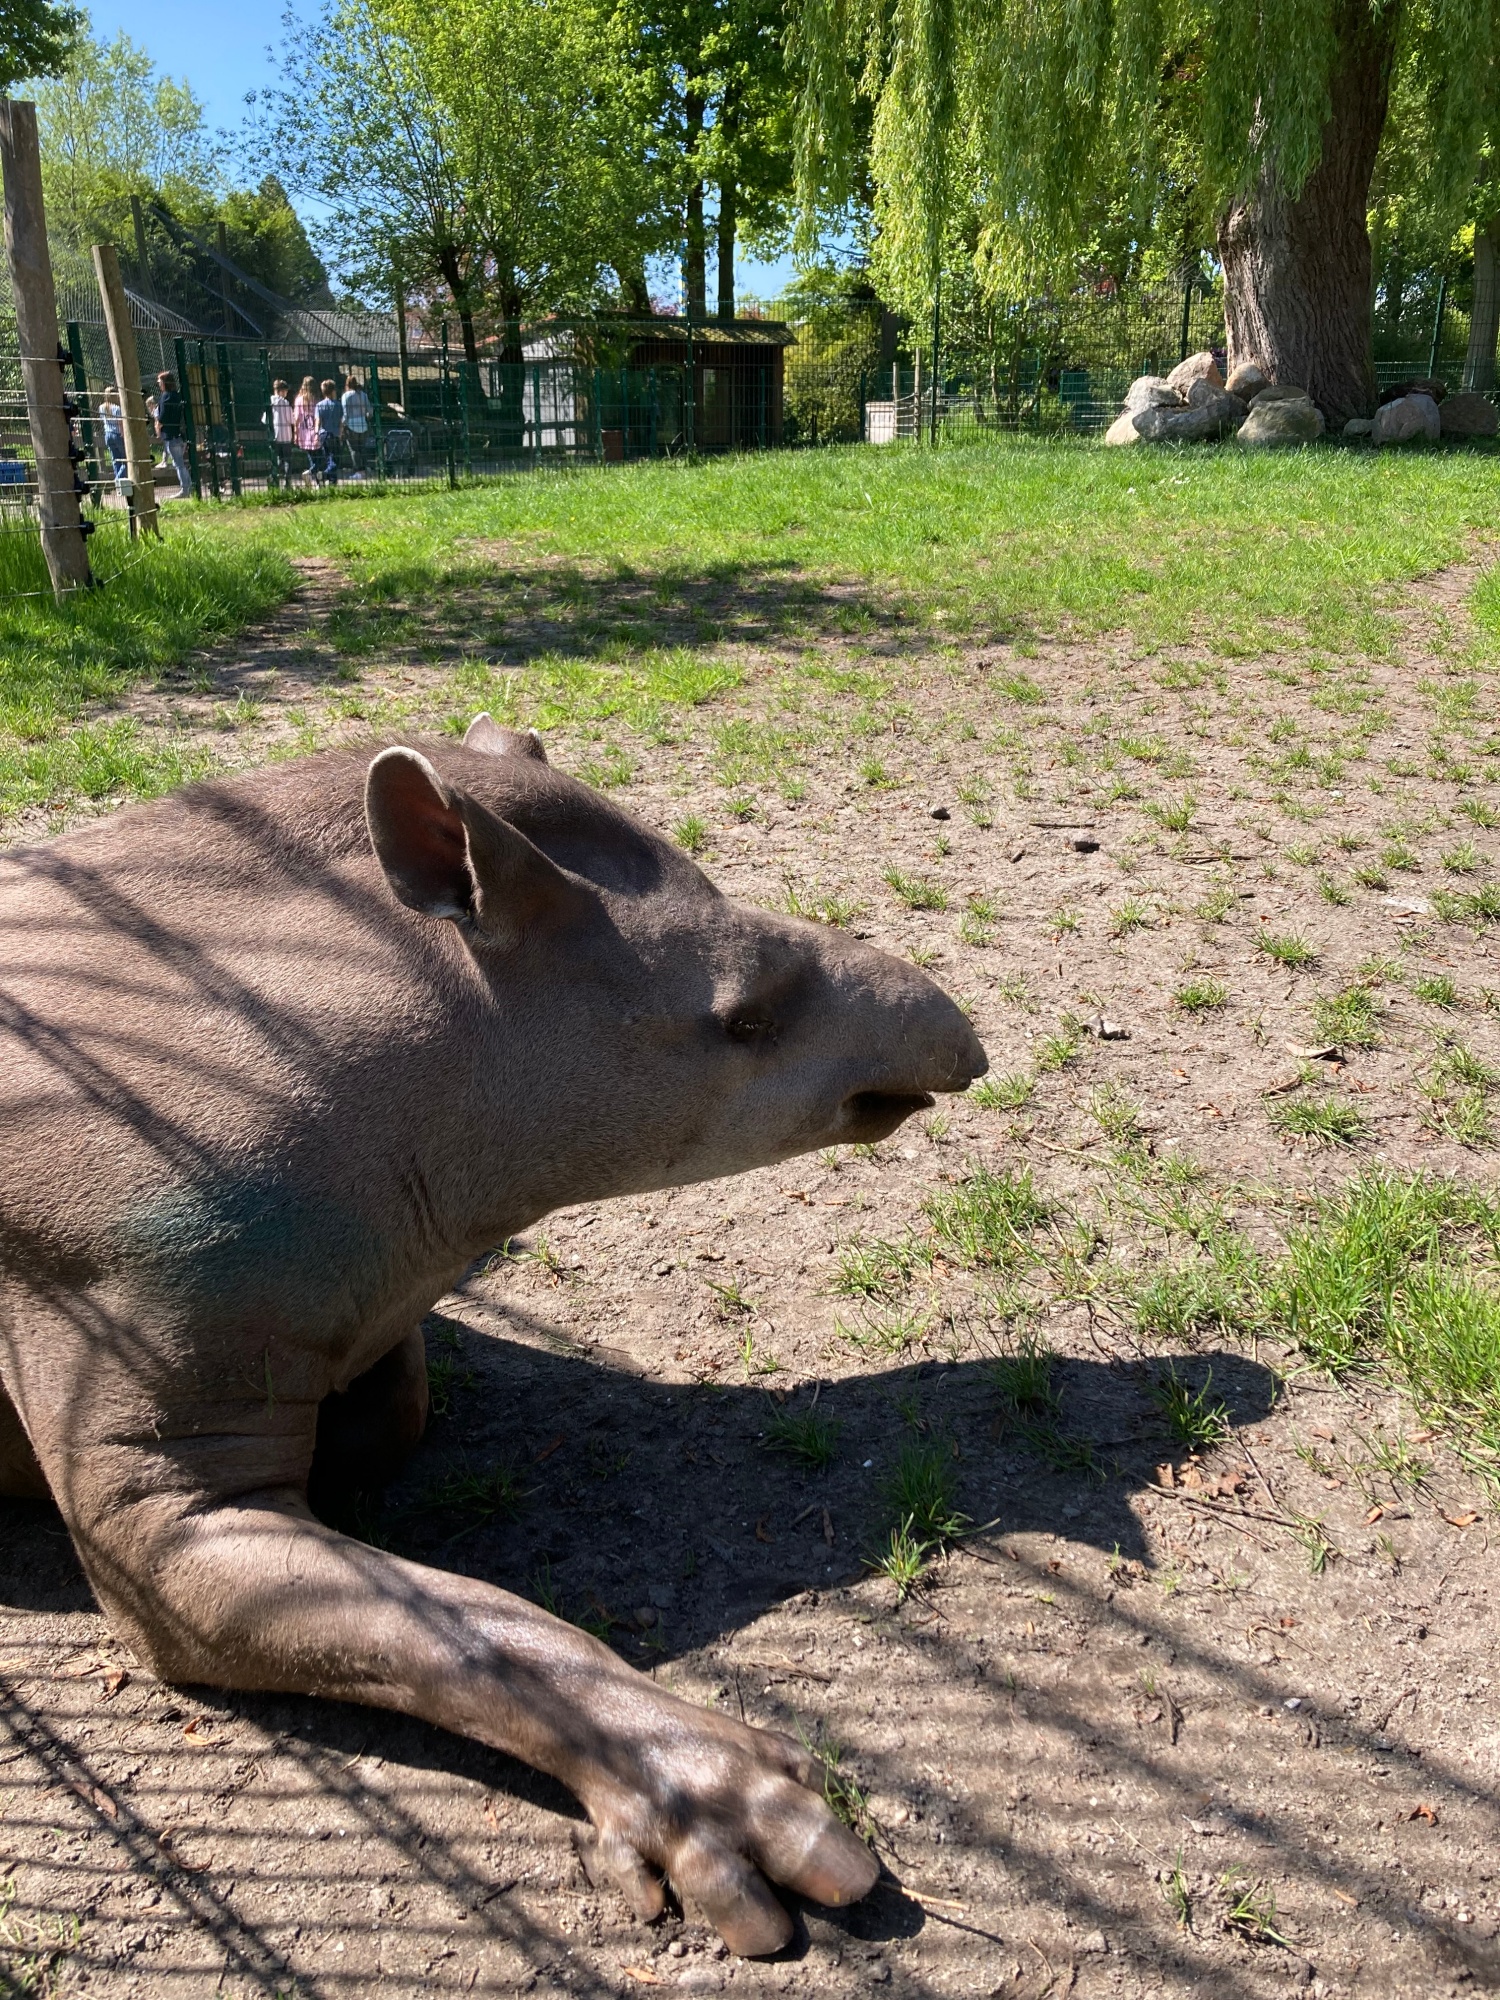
(1195, 402)
(1424, 409)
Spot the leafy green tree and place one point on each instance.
(36, 37)
(495, 152)
(124, 145)
(1039, 114)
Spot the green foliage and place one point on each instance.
(805, 1435)
(1348, 1018)
(36, 39)
(497, 149)
(1016, 140)
(987, 1219)
(1327, 1120)
(1194, 1416)
(920, 1491)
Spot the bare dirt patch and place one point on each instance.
(1227, 1727)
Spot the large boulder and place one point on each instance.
(1281, 420)
(1415, 385)
(1247, 381)
(1359, 427)
(1123, 430)
(1230, 410)
(1409, 417)
(1177, 426)
(1197, 368)
(1150, 392)
(1468, 415)
(1281, 392)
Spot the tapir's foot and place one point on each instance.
(718, 1808)
(367, 1432)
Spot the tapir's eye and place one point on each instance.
(750, 1026)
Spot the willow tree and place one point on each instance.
(1046, 102)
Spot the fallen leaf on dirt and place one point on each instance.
(1286, 1624)
(1460, 1520)
(828, 1527)
(1429, 1813)
(1328, 1437)
(547, 1449)
(1375, 1514)
(110, 1686)
(762, 1532)
(1420, 1437)
(1166, 1475)
(643, 1975)
(1344, 1897)
(1323, 1052)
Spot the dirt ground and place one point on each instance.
(1236, 1734)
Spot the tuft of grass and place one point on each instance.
(1287, 949)
(1475, 906)
(1003, 1093)
(1201, 996)
(1216, 905)
(916, 891)
(1179, 1303)
(1348, 1018)
(1194, 1417)
(805, 1435)
(1057, 1051)
(1117, 1116)
(495, 1494)
(920, 1492)
(1131, 915)
(1480, 813)
(1437, 989)
(1250, 1909)
(878, 1270)
(1175, 815)
(1398, 854)
(1024, 1375)
(691, 833)
(1465, 859)
(821, 906)
(904, 1559)
(1334, 892)
(988, 1218)
(1326, 1120)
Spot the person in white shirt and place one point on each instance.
(112, 416)
(356, 423)
(283, 433)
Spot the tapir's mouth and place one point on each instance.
(874, 1114)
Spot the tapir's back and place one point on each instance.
(178, 979)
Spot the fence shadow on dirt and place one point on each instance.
(627, 1480)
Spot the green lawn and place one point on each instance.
(1217, 549)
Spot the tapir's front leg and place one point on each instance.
(251, 1592)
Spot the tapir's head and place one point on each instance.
(665, 1034)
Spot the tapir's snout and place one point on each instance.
(931, 1049)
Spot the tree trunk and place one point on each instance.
(695, 267)
(634, 292)
(1297, 271)
(453, 278)
(727, 218)
(1484, 317)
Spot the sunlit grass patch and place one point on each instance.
(989, 1216)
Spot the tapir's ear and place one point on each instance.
(444, 855)
(485, 734)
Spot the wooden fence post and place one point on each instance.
(41, 370)
(127, 366)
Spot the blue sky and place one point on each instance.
(226, 50)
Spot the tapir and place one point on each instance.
(282, 1055)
